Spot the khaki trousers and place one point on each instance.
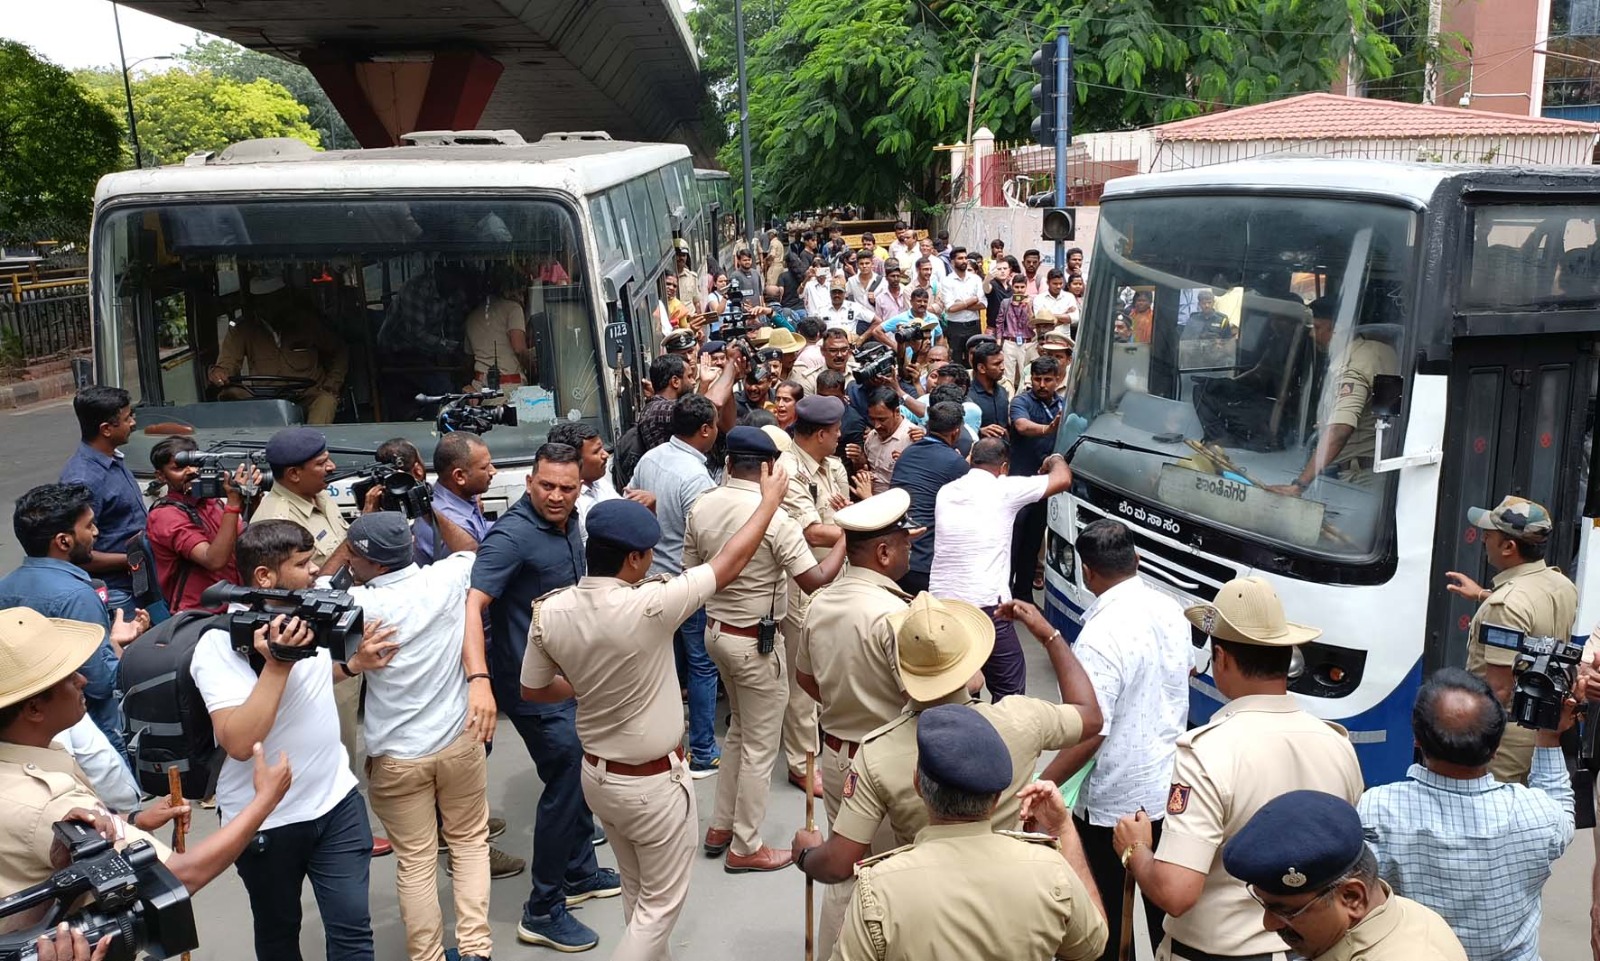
(1164, 951)
(405, 795)
(800, 713)
(1511, 764)
(756, 697)
(1018, 357)
(835, 765)
(651, 824)
(347, 698)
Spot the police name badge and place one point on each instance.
(1178, 799)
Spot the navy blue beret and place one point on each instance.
(751, 440)
(293, 446)
(623, 523)
(817, 409)
(1296, 843)
(713, 347)
(958, 748)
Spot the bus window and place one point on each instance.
(1526, 256)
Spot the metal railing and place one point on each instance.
(43, 317)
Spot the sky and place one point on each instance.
(81, 33)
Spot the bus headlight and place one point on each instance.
(1060, 556)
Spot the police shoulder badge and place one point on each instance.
(1294, 879)
(1178, 799)
(849, 785)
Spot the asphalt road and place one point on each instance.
(728, 917)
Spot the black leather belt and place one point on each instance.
(1187, 953)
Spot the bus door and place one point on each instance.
(1517, 419)
(627, 331)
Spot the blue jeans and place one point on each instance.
(700, 676)
(563, 828)
(335, 851)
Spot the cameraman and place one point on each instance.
(41, 697)
(192, 538)
(465, 468)
(320, 829)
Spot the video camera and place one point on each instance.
(874, 360)
(736, 328)
(1545, 672)
(465, 412)
(135, 898)
(215, 467)
(401, 491)
(333, 615)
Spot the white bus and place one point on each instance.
(1201, 381)
(388, 252)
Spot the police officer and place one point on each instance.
(1527, 595)
(964, 890)
(281, 337)
(607, 641)
(742, 638)
(1304, 861)
(818, 487)
(1258, 746)
(846, 658)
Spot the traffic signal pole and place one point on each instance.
(1064, 128)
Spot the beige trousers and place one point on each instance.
(756, 696)
(835, 765)
(405, 795)
(347, 698)
(651, 824)
(1018, 357)
(1514, 760)
(800, 714)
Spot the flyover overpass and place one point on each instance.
(394, 66)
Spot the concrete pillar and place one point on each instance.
(958, 160)
(381, 100)
(983, 164)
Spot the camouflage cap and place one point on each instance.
(1515, 517)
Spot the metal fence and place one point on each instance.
(43, 317)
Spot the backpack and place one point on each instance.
(167, 719)
(625, 457)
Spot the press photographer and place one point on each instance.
(41, 696)
(193, 527)
(320, 829)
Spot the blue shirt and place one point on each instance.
(1028, 453)
(522, 558)
(995, 407)
(59, 589)
(676, 473)
(922, 469)
(119, 509)
(460, 512)
(1478, 852)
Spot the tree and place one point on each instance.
(227, 59)
(55, 143)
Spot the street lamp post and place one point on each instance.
(127, 86)
(744, 135)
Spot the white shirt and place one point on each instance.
(845, 317)
(972, 519)
(817, 298)
(590, 495)
(955, 288)
(1063, 308)
(417, 704)
(108, 773)
(1136, 648)
(306, 728)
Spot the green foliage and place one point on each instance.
(12, 355)
(55, 143)
(227, 59)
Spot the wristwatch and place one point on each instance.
(1127, 855)
(800, 859)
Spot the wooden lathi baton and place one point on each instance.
(811, 825)
(175, 793)
(1125, 941)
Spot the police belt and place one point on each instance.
(1184, 951)
(839, 745)
(752, 630)
(660, 765)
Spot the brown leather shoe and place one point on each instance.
(765, 859)
(717, 842)
(799, 781)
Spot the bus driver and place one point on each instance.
(281, 336)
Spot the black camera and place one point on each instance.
(333, 615)
(874, 360)
(1545, 672)
(458, 412)
(135, 898)
(401, 491)
(215, 466)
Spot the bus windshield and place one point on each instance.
(243, 316)
(1236, 340)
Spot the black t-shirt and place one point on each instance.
(793, 285)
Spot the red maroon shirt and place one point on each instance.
(172, 536)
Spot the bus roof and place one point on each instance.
(1415, 182)
(576, 165)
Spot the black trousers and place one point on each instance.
(1105, 863)
(1027, 535)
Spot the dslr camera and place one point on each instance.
(466, 411)
(401, 491)
(215, 467)
(873, 360)
(135, 898)
(333, 615)
(1545, 672)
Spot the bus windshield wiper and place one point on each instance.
(1086, 438)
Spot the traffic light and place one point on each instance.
(1044, 94)
(1059, 223)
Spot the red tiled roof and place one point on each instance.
(1321, 116)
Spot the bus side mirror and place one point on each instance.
(615, 279)
(1386, 395)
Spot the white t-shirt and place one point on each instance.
(817, 298)
(306, 728)
(955, 288)
(590, 495)
(1063, 308)
(972, 519)
(417, 704)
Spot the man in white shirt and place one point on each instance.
(815, 292)
(843, 314)
(593, 460)
(962, 293)
(1135, 646)
(1056, 303)
(972, 557)
(925, 248)
(863, 288)
(320, 827)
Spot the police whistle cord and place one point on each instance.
(175, 790)
(811, 825)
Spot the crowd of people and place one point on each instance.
(842, 560)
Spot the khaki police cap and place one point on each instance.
(759, 336)
(786, 341)
(38, 652)
(780, 437)
(941, 644)
(1247, 611)
(1055, 340)
(878, 513)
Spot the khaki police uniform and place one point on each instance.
(1535, 598)
(809, 500)
(613, 642)
(756, 685)
(1363, 361)
(292, 345)
(38, 786)
(1254, 749)
(1400, 929)
(965, 891)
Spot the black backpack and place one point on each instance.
(142, 561)
(168, 723)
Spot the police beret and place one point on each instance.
(293, 446)
(678, 340)
(878, 513)
(958, 748)
(713, 347)
(751, 440)
(817, 409)
(623, 523)
(383, 537)
(1296, 843)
